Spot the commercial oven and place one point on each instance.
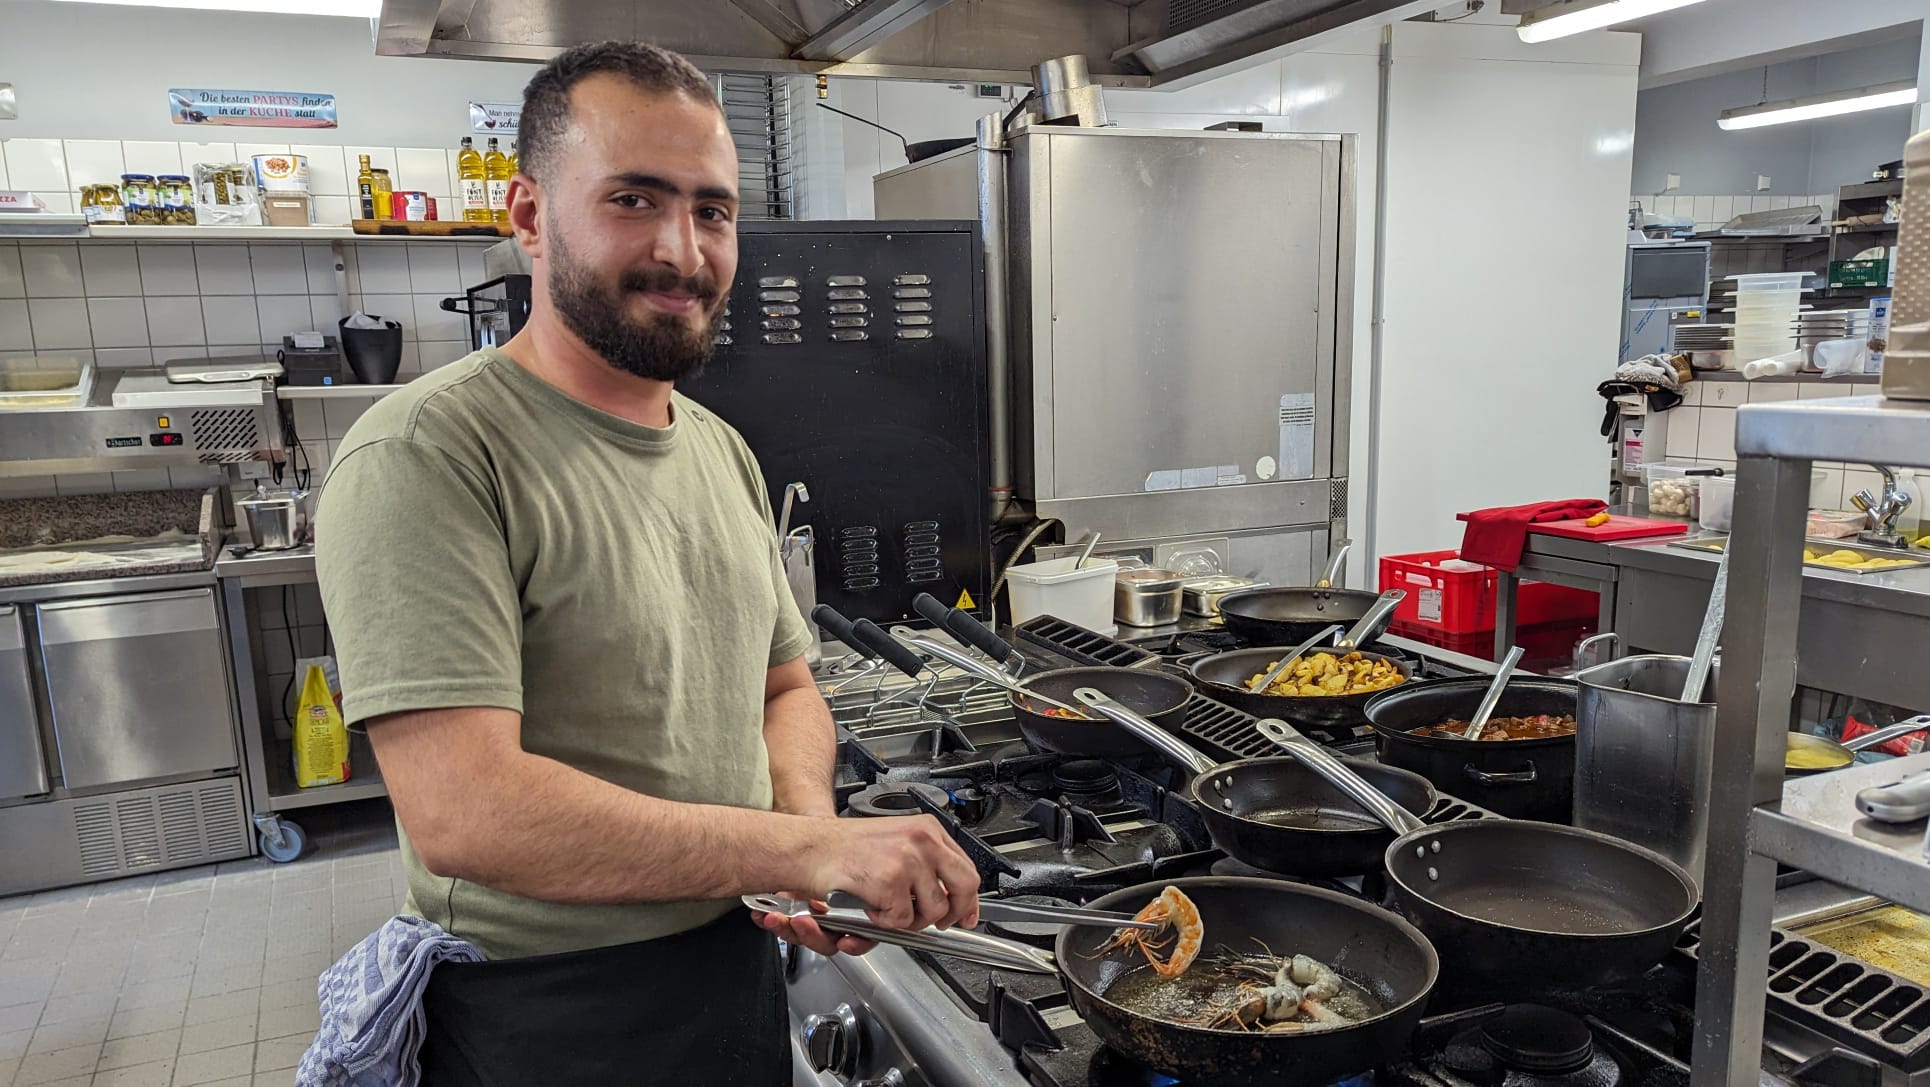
(117, 735)
(1177, 310)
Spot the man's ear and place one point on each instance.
(526, 213)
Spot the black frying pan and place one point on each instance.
(1276, 814)
(1140, 1015)
(1224, 676)
(1518, 906)
(1363, 943)
(1160, 697)
(1291, 616)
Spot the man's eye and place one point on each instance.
(717, 215)
(630, 200)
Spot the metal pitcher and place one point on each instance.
(1643, 756)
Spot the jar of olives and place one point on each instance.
(175, 199)
(102, 204)
(140, 199)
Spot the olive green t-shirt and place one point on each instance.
(483, 539)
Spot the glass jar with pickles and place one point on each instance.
(102, 204)
(174, 198)
(140, 200)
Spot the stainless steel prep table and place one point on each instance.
(1576, 564)
(1853, 625)
(270, 774)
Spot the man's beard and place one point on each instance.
(664, 348)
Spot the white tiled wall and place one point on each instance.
(1711, 212)
(54, 170)
(142, 304)
(1703, 429)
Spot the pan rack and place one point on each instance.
(1754, 821)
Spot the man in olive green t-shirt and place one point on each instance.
(560, 616)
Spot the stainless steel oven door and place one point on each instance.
(138, 687)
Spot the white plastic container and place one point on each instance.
(1061, 588)
(1718, 497)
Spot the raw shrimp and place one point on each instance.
(1295, 999)
(1172, 910)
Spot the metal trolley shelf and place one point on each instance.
(1753, 820)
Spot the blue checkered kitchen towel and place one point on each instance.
(372, 1021)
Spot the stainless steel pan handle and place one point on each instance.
(1334, 562)
(1375, 621)
(1158, 738)
(1320, 761)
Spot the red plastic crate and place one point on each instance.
(1544, 645)
(1463, 601)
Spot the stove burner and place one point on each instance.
(1536, 1039)
(1037, 933)
(894, 798)
(1086, 781)
(1066, 823)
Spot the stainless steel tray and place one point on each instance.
(1910, 559)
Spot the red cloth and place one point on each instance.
(1495, 537)
(1907, 744)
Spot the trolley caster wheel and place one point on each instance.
(284, 843)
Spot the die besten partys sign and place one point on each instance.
(252, 109)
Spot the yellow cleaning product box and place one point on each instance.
(320, 734)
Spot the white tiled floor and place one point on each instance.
(197, 976)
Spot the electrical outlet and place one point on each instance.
(1673, 182)
(1762, 182)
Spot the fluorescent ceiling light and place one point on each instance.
(1900, 93)
(361, 9)
(1572, 17)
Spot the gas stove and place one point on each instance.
(1051, 828)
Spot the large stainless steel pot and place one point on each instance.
(1643, 756)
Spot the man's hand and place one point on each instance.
(805, 932)
(908, 869)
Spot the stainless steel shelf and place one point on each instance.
(334, 392)
(1818, 829)
(146, 232)
(1865, 429)
(33, 224)
(285, 795)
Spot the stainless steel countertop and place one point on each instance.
(267, 567)
(104, 586)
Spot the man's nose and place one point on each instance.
(675, 245)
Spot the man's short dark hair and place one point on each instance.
(546, 101)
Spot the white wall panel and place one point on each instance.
(1493, 346)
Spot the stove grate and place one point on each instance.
(1079, 645)
(1856, 1005)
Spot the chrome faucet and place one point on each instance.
(1880, 513)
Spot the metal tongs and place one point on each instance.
(961, 942)
(992, 909)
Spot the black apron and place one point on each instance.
(701, 1007)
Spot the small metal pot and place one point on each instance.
(1147, 598)
(274, 519)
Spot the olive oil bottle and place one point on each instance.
(515, 160)
(365, 190)
(475, 188)
(497, 172)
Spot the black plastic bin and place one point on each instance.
(373, 353)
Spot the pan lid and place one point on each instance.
(1534, 1038)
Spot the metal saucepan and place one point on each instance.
(1518, 906)
(1276, 814)
(1134, 1013)
(1808, 754)
(1224, 677)
(1276, 616)
(1522, 779)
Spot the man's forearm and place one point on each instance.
(548, 831)
(803, 751)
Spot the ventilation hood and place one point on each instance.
(1128, 43)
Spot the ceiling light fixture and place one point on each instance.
(1901, 93)
(1574, 17)
(361, 9)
